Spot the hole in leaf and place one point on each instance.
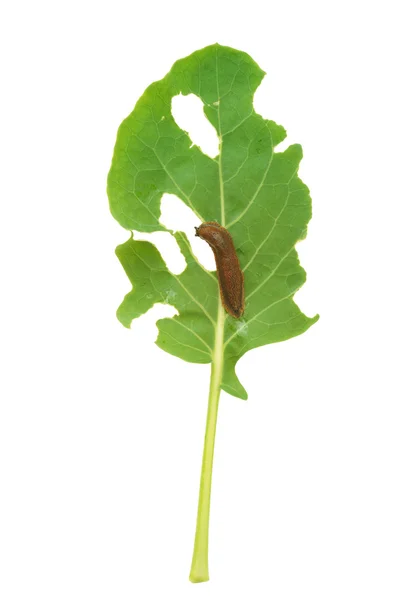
(270, 104)
(178, 216)
(168, 248)
(145, 328)
(283, 145)
(188, 112)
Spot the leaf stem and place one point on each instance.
(199, 566)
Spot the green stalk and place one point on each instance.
(199, 565)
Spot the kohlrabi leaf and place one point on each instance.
(248, 188)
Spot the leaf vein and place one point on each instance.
(254, 318)
(194, 333)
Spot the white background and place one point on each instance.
(100, 431)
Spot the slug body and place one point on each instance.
(231, 278)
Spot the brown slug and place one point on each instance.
(231, 278)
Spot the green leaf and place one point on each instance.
(249, 188)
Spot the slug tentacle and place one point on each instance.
(231, 278)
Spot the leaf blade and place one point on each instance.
(250, 188)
